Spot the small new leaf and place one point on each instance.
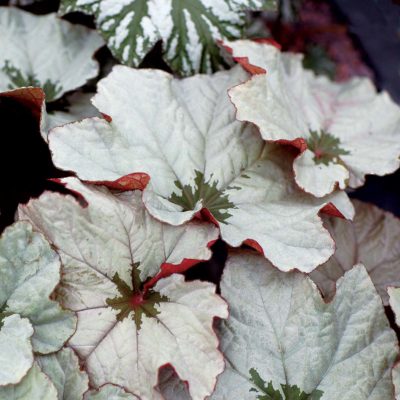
(291, 392)
(326, 147)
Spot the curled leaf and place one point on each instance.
(78, 108)
(346, 130)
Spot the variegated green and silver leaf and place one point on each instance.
(178, 332)
(29, 273)
(183, 134)
(189, 30)
(282, 338)
(292, 337)
(109, 236)
(45, 51)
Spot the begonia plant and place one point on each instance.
(193, 236)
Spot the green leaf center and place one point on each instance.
(135, 301)
(213, 199)
(268, 392)
(326, 147)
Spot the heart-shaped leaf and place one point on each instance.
(131, 322)
(182, 134)
(282, 341)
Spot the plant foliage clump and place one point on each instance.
(112, 285)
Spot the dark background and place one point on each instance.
(375, 28)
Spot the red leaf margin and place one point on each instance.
(30, 97)
(244, 61)
(204, 215)
(298, 143)
(166, 269)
